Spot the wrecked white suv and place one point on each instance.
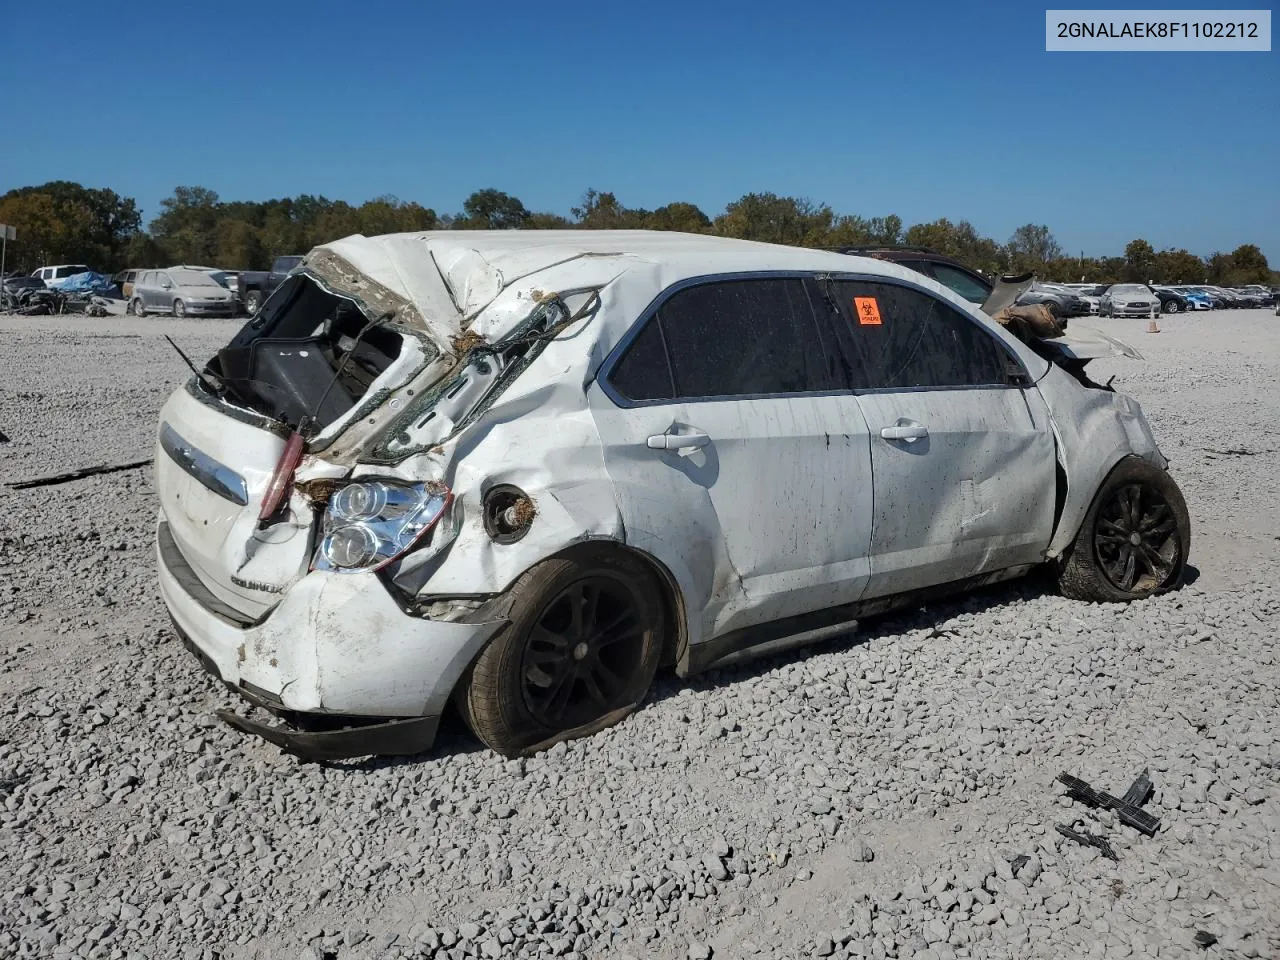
(522, 470)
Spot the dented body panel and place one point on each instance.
(970, 497)
(786, 505)
(334, 646)
(1095, 430)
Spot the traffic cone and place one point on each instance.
(1151, 327)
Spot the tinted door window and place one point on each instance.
(900, 338)
(732, 338)
(644, 373)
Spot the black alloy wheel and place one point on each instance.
(1135, 539)
(582, 653)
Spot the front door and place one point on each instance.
(163, 293)
(740, 456)
(962, 450)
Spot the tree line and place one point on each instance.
(65, 222)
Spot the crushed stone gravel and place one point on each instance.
(887, 795)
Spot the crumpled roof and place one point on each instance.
(451, 276)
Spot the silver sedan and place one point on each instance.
(1129, 300)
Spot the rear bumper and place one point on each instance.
(336, 645)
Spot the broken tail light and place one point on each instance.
(370, 523)
(282, 479)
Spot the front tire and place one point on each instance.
(253, 302)
(1170, 307)
(179, 309)
(1134, 540)
(585, 636)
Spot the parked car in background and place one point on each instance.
(1216, 301)
(1090, 293)
(254, 287)
(1060, 301)
(54, 276)
(15, 283)
(124, 280)
(948, 271)
(181, 292)
(1171, 300)
(1268, 295)
(230, 279)
(1196, 299)
(1251, 299)
(1130, 300)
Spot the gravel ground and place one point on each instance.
(890, 794)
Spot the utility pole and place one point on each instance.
(7, 233)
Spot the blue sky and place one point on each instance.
(923, 110)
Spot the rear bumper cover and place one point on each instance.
(335, 646)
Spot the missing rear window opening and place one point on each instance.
(309, 355)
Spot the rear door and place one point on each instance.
(144, 289)
(739, 453)
(962, 450)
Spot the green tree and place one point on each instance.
(684, 217)
(63, 221)
(547, 221)
(849, 230)
(492, 209)
(1031, 247)
(1249, 265)
(886, 231)
(236, 245)
(602, 211)
(1178, 266)
(774, 219)
(960, 240)
(1218, 268)
(1139, 261)
(187, 226)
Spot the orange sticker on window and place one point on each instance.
(868, 311)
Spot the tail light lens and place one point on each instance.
(370, 523)
(282, 479)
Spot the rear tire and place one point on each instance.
(1105, 563)
(139, 310)
(585, 636)
(179, 309)
(1170, 306)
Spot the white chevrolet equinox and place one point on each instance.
(521, 471)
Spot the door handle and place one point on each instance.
(908, 431)
(677, 441)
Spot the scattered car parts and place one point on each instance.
(1127, 808)
(1087, 839)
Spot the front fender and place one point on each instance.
(1095, 429)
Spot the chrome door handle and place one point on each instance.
(677, 441)
(905, 431)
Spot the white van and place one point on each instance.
(53, 277)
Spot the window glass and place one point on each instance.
(643, 372)
(743, 337)
(959, 281)
(900, 338)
